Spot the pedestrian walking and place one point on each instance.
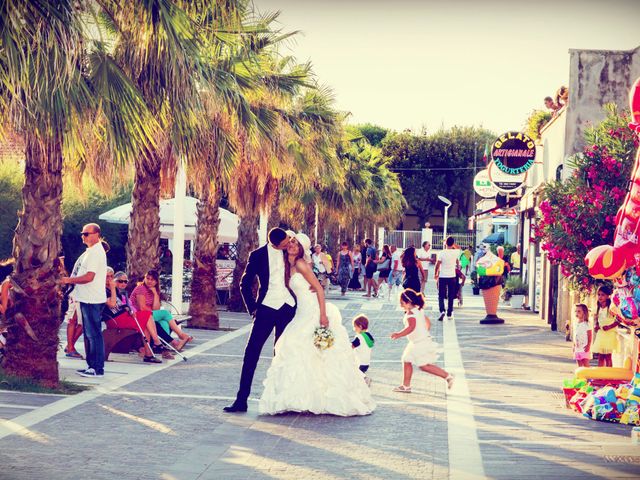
(397, 270)
(445, 276)
(425, 259)
(89, 291)
(344, 267)
(354, 283)
(370, 268)
(413, 273)
(421, 350)
(384, 269)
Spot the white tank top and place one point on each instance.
(420, 332)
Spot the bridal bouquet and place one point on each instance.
(322, 338)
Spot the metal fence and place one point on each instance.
(403, 238)
(462, 240)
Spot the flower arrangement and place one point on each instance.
(579, 213)
(322, 338)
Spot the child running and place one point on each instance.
(362, 344)
(421, 349)
(582, 336)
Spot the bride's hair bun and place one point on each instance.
(413, 297)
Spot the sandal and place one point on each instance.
(74, 354)
(151, 359)
(450, 379)
(167, 354)
(181, 344)
(402, 389)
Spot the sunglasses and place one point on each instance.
(122, 281)
(86, 234)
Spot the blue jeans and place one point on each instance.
(396, 278)
(92, 329)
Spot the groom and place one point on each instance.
(275, 306)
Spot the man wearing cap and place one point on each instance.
(274, 307)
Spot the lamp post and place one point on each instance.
(447, 204)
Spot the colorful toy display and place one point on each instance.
(608, 404)
(607, 261)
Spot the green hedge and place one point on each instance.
(11, 179)
(78, 209)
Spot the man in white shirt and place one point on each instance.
(89, 291)
(274, 307)
(445, 275)
(425, 259)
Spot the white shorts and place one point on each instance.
(74, 307)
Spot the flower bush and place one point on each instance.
(578, 214)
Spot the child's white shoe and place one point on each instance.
(402, 389)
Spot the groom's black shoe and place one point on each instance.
(236, 407)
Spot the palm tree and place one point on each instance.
(54, 79)
(239, 70)
(158, 43)
(306, 125)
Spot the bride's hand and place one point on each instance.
(324, 321)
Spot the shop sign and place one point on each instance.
(513, 152)
(483, 186)
(505, 182)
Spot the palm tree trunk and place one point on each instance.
(144, 227)
(247, 242)
(274, 214)
(310, 220)
(202, 308)
(34, 317)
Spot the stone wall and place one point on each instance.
(596, 77)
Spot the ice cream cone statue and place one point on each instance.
(490, 268)
(607, 261)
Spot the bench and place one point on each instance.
(119, 340)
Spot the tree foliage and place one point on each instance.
(579, 214)
(373, 133)
(437, 164)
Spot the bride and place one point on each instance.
(302, 378)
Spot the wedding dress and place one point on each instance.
(302, 378)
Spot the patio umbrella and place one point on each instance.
(227, 232)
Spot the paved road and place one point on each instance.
(504, 418)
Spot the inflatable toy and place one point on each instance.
(609, 261)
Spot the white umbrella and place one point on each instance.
(227, 231)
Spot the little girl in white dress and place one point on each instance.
(421, 349)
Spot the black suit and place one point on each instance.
(265, 318)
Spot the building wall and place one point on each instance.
(596, 77)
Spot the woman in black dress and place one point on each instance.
(413, 271)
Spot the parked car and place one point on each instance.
(495, 239)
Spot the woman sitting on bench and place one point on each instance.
(118, 314)
(146, 300)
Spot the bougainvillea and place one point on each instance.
(578, 213)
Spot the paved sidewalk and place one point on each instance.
(166, 422)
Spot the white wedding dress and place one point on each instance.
(302, 378)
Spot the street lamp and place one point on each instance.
(447, 204)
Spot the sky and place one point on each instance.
(431, 64)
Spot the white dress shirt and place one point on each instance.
(277, 292)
